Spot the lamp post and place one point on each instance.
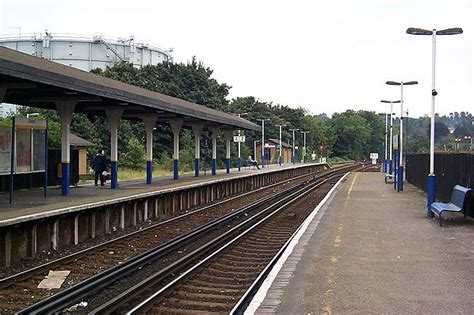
(279, 151)
(400, 169)
(470, 139)
(304, 145)
(238, 145)
(390, 161)
(431, 175)
(293, 146)
(263, 140)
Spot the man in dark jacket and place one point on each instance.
(98, 165)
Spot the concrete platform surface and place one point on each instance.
(374, 251)
(31, 204)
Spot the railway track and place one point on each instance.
(125, 285)
(19, 290)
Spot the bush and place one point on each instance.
(134, 157)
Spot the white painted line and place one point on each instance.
(262, 292)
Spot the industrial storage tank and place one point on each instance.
(84, 52)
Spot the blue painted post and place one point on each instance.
(227, 166)
(176, 125)
(390, 166)
(196, 167)
(149, 122)
(228, 138)
(114, 116)
(175, 169)
(214, 133)
(263, 161)
(65, 178)
(239, 163)
(400, 178)
(65, 109)
(395, 168)
(431, 193)
(149, 172)
(214, 167)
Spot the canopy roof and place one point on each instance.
(37, 82)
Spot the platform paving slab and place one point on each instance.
(374, 251)
(31, 204)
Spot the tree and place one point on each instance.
(134, 156)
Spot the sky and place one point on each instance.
(326, 56)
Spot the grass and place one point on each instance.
(128, 174)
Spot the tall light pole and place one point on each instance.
(279, 151)
(238, 145)
(431, 175)
(390, 161)
(304, 145)
(263, 140)
(400, 168)
(293, 146)
(386, 144)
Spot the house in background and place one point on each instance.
(81, 145)
(272, 152)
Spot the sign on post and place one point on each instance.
(5, 149)
(239, 138)
(374, 157)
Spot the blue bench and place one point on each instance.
(455, 204)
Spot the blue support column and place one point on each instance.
(385, 165)
(149, 172)
(227, 166)
(214, 166)
(114, 175)
(196, 167)
(239, 163)
(390, 166)
(263, 161)
(400, 178)
(175, 169)
(395, 169)
(65, 178)
(431, 193)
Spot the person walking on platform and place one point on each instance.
(98, 165)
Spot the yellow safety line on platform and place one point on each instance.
(327, 308)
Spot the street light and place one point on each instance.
(263, 140)
(304, 145)
(390, 161)
(431, 175)
(469, 138)
(293, 145)
(238, 144)
(400, 169)
(279, 151)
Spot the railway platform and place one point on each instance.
(371, 250)
(37, 224)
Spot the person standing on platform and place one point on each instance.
(98, 165)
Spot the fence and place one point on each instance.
(450, 169)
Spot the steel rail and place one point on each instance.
(10, 280)
(64, 298)
(240, 231)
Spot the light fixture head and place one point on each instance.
(418, 31)
(450, 31)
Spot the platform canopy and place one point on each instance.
(36, 82)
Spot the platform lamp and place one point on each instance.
(279, 151)
(293, 145)
(469, 138)
(263, 139)
(400, 169)
(390, 161)
(431, 175)
(239, 160)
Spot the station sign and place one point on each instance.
(374, 155)
(239, 138)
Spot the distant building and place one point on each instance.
(86, 53)
(272, 152)
(81, 145)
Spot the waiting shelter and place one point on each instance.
(272, 151)
(36, 82)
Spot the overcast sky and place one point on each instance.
(327, 56)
